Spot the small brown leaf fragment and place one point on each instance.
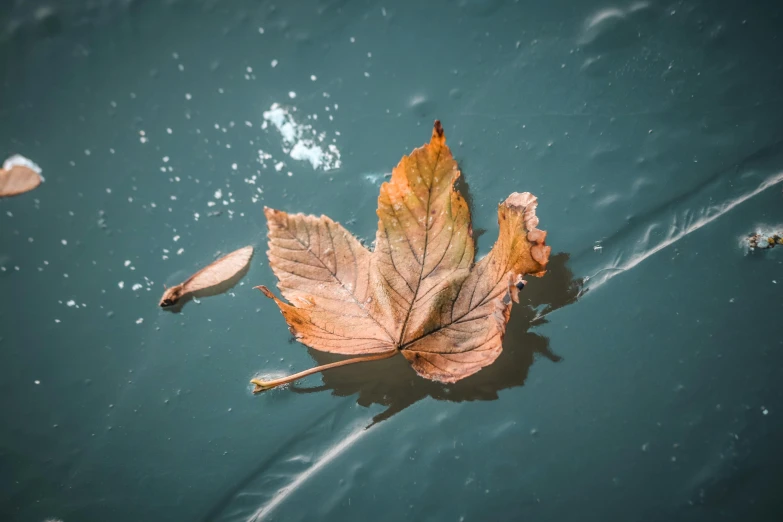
(211, 276)
(419, 291)
(18, 175)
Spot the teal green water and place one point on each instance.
(640, 378)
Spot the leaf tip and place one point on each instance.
(526, 203)
(171, 296)
(438, 135)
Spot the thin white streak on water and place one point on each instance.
(328, 456)
(711, 214)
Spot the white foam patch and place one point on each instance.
(313, 154)
(17, 160)
(301, 141)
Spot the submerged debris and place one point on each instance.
(759, 241)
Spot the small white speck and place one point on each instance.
(234, 166)
(180, 251)
(366, 74)
(249, 69)
(188, 96)
(71, 303)
(353, 40)
(121, 284)
(136, 287)
(64, 241)
(764, 411)
(175, 238)
(274, 63)
(143, 139)
(139, 320)
(87, 152)
(218, 194)
(165, 159)
(127, 262)
(279, 166)
(291, 94)
(37, 381)
(169, 131)
(260, 30)
(313, 77)
(56, 320)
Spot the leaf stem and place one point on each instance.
(261, 385)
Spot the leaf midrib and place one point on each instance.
(423, 255)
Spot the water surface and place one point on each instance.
(640, 380)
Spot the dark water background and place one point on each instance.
(651, 130)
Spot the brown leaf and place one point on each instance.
(214, 275)
(418, 292)
(392, 385)
(18, 176)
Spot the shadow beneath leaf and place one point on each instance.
(219, 288)
(392, 382)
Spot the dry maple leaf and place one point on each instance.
(213, 275)
(18, 175)
(418, 293)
